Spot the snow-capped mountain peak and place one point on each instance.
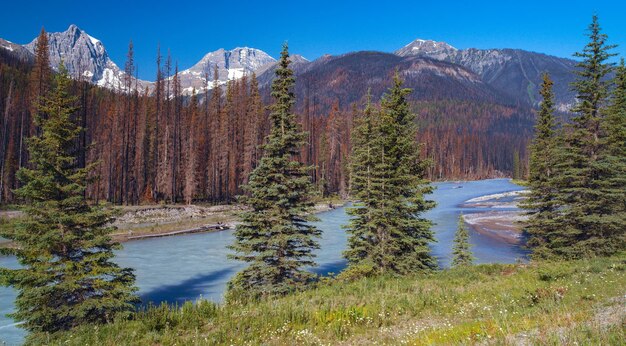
(231, 64)
(84, 56)
(513, 71)
(427, 48)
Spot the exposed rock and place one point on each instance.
(231, 64)
(84, 57)
(514, 71)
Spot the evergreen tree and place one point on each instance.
(589, 226)
(615, 124)
(255, 113)
(461, 252)
(517, 168)
(612, 164)
(215, 113)
(40, 79)
(63, 243)
(274, 236)
(390, 233)
(543, 224)
(361, 228)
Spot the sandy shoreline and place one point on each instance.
(199, 220)
(503, 225)
(498, 223)
(141, 222)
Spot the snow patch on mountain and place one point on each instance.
(235, 73)
(8, 47)
(85, 57)
(230, 64)
(93, 40)
(434, 49)
(514, 72)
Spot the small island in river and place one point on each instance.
(499, 216)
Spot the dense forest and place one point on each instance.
(160, 145)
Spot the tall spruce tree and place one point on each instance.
(361, 228)
(390, 233)
(612, 164)
(461, 251)
(588, 227)
(517, 167)
(543, 223)
(274, 236)
(63, 243)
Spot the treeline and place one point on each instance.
(161, 146)
(14, 108)
(168, 147)
(165, 146)
(473, 140)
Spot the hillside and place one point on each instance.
(474, 109)
(462, 119)
(348, 77)
(469, 128)
(515, 72)
(578, 302)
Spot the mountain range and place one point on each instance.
(515, 72)
(435, 70)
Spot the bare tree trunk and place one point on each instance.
(4, 139)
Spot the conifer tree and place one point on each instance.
(517, 169)
(612, 164)
(41, 74)
(215, 107)
(63, 243)
(255, 113)
(615, 124)
(274, 237)
(361, 228)
(588, 227)
(39, 82)
(391, 234)
(543, 221)
(461, 252)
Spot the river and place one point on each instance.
(186, 267)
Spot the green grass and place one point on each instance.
(544, 303)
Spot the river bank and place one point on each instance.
(161, 221)
(499, 218)
(150, 221)
(190, 266)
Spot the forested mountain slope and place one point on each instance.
(155, 141)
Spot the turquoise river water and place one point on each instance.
(186, 267)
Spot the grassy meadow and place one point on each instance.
(575, 302)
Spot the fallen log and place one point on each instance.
(205, 228)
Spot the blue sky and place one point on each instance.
(314, 28)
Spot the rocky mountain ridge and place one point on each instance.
(514, 72)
